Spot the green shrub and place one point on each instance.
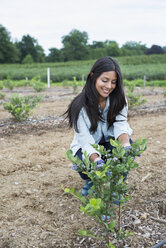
(109, 188)
(165, 93)
(75, 85)
(37, 85)
(66, 83)
(1, 85)
(2, 96)
(133, 99)
(8, 84)
(21, 83)
(20, 107)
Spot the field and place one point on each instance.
(35, 212)
(133, 67)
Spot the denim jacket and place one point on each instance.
(84, 138)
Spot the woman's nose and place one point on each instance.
(109, 85)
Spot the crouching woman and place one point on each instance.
(99, 113)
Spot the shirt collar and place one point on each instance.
(106, 106)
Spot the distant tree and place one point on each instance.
(75, 45)
(40, 54)
(164, 48)
(112, 48)
(29, 45)
(133, 48)
(28, 59)
(96, 53)
(8, 51)
(97, 44)
(155, 49)
(55, 55)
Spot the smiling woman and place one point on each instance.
(99, 113)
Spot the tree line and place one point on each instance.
(75, 47)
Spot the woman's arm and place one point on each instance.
(122, 130)
(84, 138)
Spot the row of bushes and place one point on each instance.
(152, 72)
(125, 60)
(34, 82)
(39, 86)
(142, 83)
(133, 67)
(20, 107)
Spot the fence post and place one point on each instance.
(48, 77)
(26, 80)
(82, 78)
(144, 80)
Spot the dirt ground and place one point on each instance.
(35, 212)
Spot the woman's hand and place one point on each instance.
(94, 157)
(124, 140)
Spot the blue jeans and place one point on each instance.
(107, 146)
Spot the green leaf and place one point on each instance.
(114, 143)
(82, 232)
(99, 174)
(128, 233)
(67, 190)
(93, 201)
(69, 154)
(112, 225)
(110, 245)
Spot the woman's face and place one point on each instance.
(106, 83)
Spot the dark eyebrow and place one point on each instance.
(105, 77)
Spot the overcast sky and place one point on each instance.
(119, 20)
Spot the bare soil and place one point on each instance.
(35, 212)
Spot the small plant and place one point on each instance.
(20, 107)
(8, 84)
(37, 85)
(65, 83)
(133, 99)
(109, 188)
(21, 83)
(2, 96)
(75, 85)
(165, 93)
(1, 85)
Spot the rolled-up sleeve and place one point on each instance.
(84, 137)
(121, 125)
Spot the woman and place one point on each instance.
(99, 113)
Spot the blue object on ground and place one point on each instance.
(160, 244)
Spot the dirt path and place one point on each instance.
(34, 211)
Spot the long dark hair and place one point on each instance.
(88, 98)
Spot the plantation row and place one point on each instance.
(38, 85)
(133, 67)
